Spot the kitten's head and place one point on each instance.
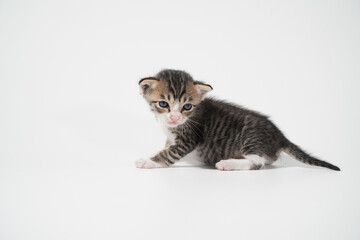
(173, 95)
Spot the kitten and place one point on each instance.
(221, 134)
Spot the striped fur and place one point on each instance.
(217, 130)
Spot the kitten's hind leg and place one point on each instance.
(251, 162)
(234, 164)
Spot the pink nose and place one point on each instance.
(174, 117)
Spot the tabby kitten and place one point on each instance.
(221, 134)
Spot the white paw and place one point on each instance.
(224, 166)
(146, 163)
(236, 164)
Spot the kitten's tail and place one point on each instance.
(304, 157)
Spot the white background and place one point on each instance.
(72, 121)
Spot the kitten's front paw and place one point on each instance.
(146, 163)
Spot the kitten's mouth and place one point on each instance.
(174, 123)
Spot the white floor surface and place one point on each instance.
(184, 202)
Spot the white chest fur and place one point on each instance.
(170, 136)
(192, 158)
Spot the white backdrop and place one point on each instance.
(71, 116)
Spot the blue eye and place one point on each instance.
(187, 106)
(163, 104)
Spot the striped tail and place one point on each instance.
(304, 157)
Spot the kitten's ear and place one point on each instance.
(147, 84)
(202, 88)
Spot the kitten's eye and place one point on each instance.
(163, 104)
(187, 107)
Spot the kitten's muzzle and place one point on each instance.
(175, 118)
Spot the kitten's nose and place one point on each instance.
(175, 117)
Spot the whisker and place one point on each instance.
(191, 128)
